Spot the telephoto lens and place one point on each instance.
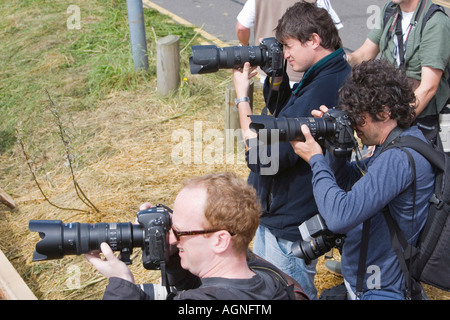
(289, 129)
(207, 59)
(151, 235)
(60, 239)
(334, 131)
(268, 55)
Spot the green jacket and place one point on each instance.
(429, 49)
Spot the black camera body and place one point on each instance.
(151, 234)
(316, 240)
(334, 130)
(157, 223)
(268, 55)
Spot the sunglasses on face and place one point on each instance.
(179, 234)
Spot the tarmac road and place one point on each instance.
(218, 17)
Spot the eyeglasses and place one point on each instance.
(179, 234)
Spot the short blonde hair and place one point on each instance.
(232, 205)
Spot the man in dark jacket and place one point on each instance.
(213, 221)
(282, 179)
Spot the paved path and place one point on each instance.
(217, 18)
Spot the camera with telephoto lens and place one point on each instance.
(268, 55)
(317, 240)
(151, 234)
(334, 130)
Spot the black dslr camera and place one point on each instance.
(317, 240)
(151, 234)
(334, 130)
(268, 55)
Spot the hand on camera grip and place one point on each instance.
(111, 266)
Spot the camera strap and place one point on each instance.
(399, 35)
(265, 110)
(362, 258)
(164, 277)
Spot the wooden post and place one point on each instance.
(232, 125)
(12, 286)
(6, 199)
(168, 64)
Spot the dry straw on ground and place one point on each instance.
(122, 157)
(121, 150)
(124, 151)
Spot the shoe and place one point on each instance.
(333, 266)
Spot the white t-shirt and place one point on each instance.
(247, 15)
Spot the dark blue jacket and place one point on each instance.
(283, 180)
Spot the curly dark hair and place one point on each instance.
(303, 19)
(373, 86)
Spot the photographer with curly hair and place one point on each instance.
(378, 99)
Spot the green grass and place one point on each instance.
(77, 67)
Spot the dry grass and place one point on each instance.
(123, 159)
(126, 161)
(121, 145)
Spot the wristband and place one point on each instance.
(276, 84)
(239, 100)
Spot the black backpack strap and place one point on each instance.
(388, 13)
(365, 235)
(402, 249)
(405, 252)
(293, 288)
(433, 156)
(433, 9)
(277, 276)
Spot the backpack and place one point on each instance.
(429, 260)
(390, 11)
(293, 288)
